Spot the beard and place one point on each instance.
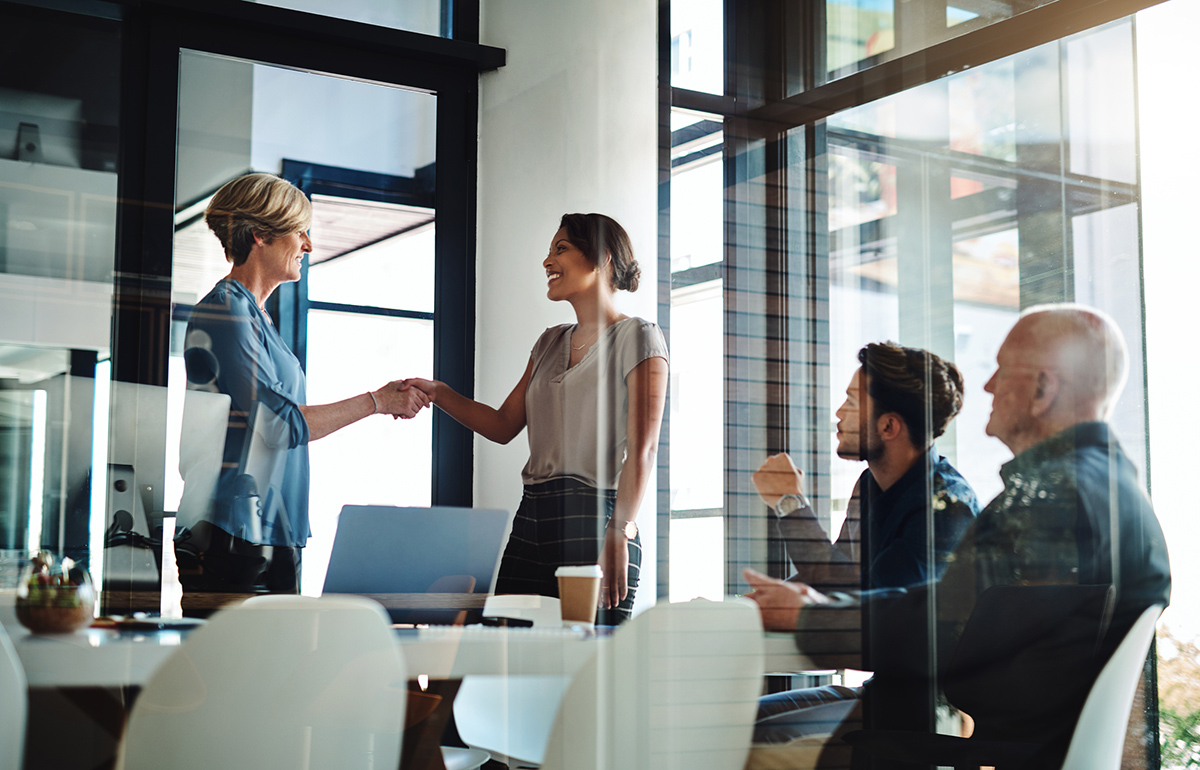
(854, 449)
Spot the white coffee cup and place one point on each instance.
(579, 593)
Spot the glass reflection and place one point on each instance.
(856, 30)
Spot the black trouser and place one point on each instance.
(561, 523)
(211, 560)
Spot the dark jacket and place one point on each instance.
(1071, 513)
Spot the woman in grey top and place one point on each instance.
(592, 398)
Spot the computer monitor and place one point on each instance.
(59, 121)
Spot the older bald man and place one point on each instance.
(1071, 512)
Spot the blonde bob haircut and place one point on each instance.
(256, 204)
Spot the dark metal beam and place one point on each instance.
(317, 29)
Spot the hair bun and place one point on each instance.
(629, 278)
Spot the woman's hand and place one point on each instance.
(399, 400)
(499, 425)
(428, 387)
(614, 561)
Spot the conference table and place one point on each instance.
(98, 657)
(94, 675)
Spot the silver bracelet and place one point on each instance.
(373, 401)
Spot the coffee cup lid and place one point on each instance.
(584, 570)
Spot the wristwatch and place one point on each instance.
(789, 504)
(630, 529)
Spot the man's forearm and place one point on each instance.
(818, 562)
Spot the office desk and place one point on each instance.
(84, 684)
(108, 658)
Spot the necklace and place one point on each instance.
(585, 344)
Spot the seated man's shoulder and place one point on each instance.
(951, 490)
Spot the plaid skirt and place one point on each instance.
(561, 523)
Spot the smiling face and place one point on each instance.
(854, 423)
(283, 257)
(568, 271)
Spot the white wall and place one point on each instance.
(569, 124)
(339, 122)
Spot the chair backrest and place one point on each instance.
(543, 611)
(14, 705)
(1100, 731)
(675, 688)
(279, 681)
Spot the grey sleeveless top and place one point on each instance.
(576, 418)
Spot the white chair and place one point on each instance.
(1099, 734)
(541, 610)
(279, 681)
(14, 706)
(676, 687)
(463, 759)
(512, 715)
(1096, 741)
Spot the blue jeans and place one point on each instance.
(817, 711)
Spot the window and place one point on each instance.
(104, 246)
(60, 119)
(363, 312)
(960, 171)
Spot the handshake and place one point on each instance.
(404, 399)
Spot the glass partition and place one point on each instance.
(59, 123)
(362, 312)
(860, 34)
(423, 16)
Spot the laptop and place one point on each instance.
(382, 549)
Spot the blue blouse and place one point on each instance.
(233, 348)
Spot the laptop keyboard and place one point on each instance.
(495, 632)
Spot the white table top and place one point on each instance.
(107, 658)
(93, 657)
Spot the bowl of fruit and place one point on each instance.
(54, 598)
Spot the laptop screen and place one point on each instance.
(381, 549)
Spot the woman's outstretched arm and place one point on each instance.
(647, 384)
(392, 399)
(499, 425)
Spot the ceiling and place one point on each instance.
(340, 226)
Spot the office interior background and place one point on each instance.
(798, 178)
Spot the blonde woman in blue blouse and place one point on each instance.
(592, 398)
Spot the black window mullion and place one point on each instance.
(454, 286)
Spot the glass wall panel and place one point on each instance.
(860, 34)
(1170, 277)
(856, 30)
(361, 313)
(394, 272)
(424, 16)
(375, 461)
(698, 45)
(931, 218)
(697, 328)
(59, 127)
